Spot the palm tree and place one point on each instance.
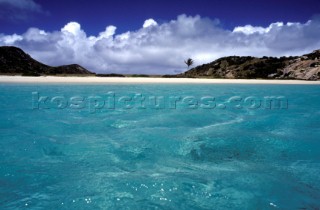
(189, 62)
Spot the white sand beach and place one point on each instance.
(144, 80)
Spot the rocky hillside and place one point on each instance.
(306, 67)
(14, 61)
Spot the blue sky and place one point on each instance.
(94, 15)
(108, 35)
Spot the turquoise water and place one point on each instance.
(69, 153)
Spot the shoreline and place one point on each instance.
(143, 80)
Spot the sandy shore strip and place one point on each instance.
(144, 80)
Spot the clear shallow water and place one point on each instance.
(221, 158)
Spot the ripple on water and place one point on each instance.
(160, 159)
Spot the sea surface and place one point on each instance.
(143, 146)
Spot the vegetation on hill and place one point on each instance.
(15, 61)
(110, 75)
(306, 67)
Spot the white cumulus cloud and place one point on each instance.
(149, 22)
(249, 29)
(162, 48)
(10, 39)
(73, 28)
